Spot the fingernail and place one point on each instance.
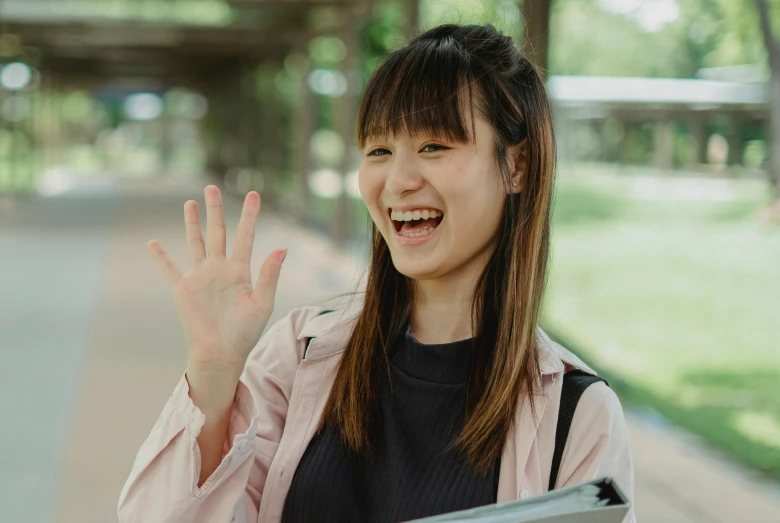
(284, 255)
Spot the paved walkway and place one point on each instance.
(95, 349)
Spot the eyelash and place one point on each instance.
(372, 153)
(440, 148)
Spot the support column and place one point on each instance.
(232, 147)
(346, 123)
(698, 127)
(166, 144)
(13, 164)
(211, 134)
(664, 144)
(412, 18)
(598, 129)
(271, 138)
(304, 122)
(536, 33)
(621, 120)
(735, 141)
(237, 130)
(247, 136)
(767, 129)
(46, 105)
(219, 118)
(5, 178)
(35, 129)
(59, 148)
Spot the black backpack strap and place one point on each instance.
(308, 340)
(574, 384)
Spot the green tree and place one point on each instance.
(773, 58)
(589, 39)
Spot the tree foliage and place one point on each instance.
(587, 38)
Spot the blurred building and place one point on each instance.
(606, 107)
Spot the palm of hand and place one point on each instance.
(222, 315)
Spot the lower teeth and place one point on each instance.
(424, 232)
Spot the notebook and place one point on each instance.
(599, 500)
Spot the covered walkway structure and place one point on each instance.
(741, 109)
(235, 57)
(249, 59)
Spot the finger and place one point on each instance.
(265, 289)
(169, 269)
(215, 221)
(195, 244)
(245, 235)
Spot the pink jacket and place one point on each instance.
(278, 404)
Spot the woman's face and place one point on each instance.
(433, 176)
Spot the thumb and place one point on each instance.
(265, 289)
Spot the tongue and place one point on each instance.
(418, 225)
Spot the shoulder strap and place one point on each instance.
(574, 384)
(308, 340)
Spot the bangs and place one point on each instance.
(423, 89)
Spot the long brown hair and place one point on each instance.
(416, 90)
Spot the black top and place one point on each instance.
(411, 475)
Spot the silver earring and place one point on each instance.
(514, 184)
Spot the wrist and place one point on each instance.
(210, 385)
(217, 370)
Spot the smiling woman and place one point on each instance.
(441, 393)
(457, 122)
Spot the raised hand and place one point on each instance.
(221, 313)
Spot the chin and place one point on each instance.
(422, 270)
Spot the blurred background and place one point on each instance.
(665, 272)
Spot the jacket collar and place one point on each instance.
(332, 330)
(552, 355)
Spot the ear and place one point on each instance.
(518, 165)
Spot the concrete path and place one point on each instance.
(95, 348)
(54, 255)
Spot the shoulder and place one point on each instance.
(599, 420)
(554, 357)
(599, 404)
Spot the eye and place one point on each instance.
(378, 152)
(433, 147)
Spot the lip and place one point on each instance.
(406, 241)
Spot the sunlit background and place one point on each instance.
(666, 259)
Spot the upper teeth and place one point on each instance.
(414, 215)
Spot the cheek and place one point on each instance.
(479, 213)
(370, 187)
(365, 186)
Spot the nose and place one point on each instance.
(403, 176)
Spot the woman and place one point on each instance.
(440, 393)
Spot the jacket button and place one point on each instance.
(524, 494)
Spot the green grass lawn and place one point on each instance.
(672, 290)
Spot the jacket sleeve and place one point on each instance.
(598, 444)
(162, 485)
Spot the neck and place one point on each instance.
(441, 312)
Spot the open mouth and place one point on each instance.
(418, 225)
